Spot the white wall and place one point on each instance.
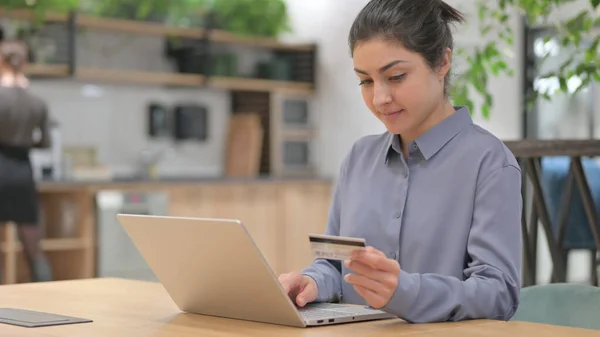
(112, 118)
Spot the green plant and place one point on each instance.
(489, 60)
(141, 9)
(244, 17)
(252, 17)
(42, 6)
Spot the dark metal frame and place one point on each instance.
(529, 153)
(72, 37)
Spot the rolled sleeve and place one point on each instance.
(492, 277)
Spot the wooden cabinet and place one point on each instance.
(278, 215)
(68, 239)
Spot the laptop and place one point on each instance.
(213, 267)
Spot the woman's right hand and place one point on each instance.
(302, 289)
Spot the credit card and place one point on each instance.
(334, 247)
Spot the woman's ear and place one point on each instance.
(445, 64)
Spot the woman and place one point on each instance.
(437, 198)
(22, 117)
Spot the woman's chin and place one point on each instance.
(397, 128)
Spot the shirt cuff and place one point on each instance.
(405, 295)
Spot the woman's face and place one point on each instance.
(398, 86)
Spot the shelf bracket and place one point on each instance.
(205, 44)
(72, 42)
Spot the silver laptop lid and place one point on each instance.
(211, 267)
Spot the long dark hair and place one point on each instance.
(421, 26)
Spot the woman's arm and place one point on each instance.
(44, 141)
(493, 273)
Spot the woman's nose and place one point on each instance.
(381, 95)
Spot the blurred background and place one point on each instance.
(245, 109)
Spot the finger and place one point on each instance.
(367, 250)
(373, 250)
(375, 300)
(376, 260)
(301, 299)
(364, 269)
(285, 284)
(388, 279)
(307, 294)
(365, 282)
(287, 287)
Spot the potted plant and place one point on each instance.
(265, 18)
(488, 60)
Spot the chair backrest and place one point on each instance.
(564, 304)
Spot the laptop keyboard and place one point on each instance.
(325, 310)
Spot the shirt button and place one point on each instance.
(392, 255)
(398, 215)
(413, 146)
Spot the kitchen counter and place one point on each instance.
(171, 182)
(279, 213)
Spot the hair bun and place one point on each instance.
(449, 13)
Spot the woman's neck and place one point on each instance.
(13, 79)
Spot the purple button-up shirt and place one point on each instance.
(450, 214)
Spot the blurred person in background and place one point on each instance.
(23, 125)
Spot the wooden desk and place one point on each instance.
(124, 308)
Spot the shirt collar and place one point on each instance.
(435, 138)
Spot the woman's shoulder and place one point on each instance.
(12, 91)
(27, 101)
(487, 150)
(370, 147)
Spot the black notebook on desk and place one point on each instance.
(35, 319)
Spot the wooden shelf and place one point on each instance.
(252, 84)
(138, 77)
(298, 134)
(29, 15)
(137, 27)
(167, 78)
(158, 29)
(51, 70)
(222, 36)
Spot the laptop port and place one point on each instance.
(331, 320)
(320, 321)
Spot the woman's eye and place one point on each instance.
(363, 82)
(397, 78)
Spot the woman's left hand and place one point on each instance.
(376, 276)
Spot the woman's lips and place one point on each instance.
(392, 114)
